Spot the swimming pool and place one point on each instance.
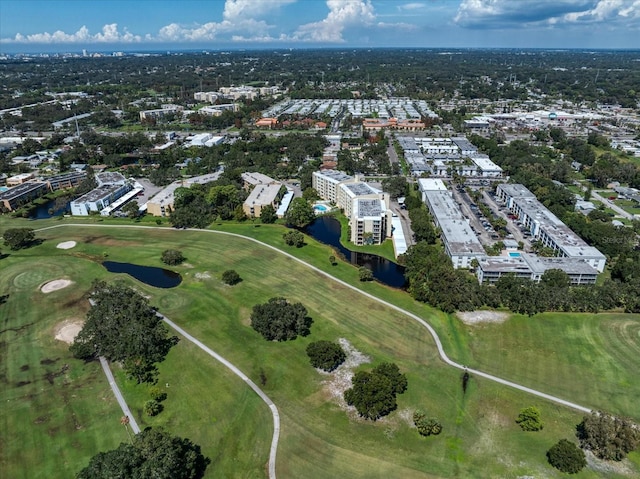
(320, 208)
(514, 254)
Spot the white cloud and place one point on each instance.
(240, 19)
(108, 34)
(235, 10)
(342, 14)
(411, 6)
(510, 13)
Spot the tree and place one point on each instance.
(365, 274)
(374, 393)
(268, 214)
(392, 372)
(300, 213)
(422, 225)
(371, 394)
(332, 260)
(280, 320)
(529, 419)
(325, 355)
(310, 194)
(566, 457)
(152, 408)
(607, 436)
(395, 185)
(121, 326)
(231, 277)
(18, 238)
(172, 257)
(131, 209)
(154, 453)
(294, 238)
(426, 426)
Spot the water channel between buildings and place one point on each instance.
(326, 229)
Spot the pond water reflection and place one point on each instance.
(326, 229)
(157, 277)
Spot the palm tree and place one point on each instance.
(124, 420)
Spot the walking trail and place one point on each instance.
(265, 398)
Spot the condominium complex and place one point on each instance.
(111, 187)
(547, 227)
(23, 193)
(442, 157)
(460, 242)
(162, 203)
(366, 208)
(263, 191)
(532, 267)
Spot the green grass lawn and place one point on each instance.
(215, 409)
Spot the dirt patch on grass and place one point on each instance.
(108, 241)
(608, 467)
(66, 245)
(479, 317)
(339, 380)
(55, 285)
(67, 330)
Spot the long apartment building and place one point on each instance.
(367, 208)
(460, 242)
(111, 187)
(547, 227)
(17, 196)
(492, 268)
(444, 156)
(264, 191)
(162, 203)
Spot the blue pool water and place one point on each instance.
(320, 208)
(514, 254)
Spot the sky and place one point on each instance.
(139, 25)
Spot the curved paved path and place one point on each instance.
(116, 391)
(250, 383)
(265, 398)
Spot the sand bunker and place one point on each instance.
(66, 245)
(68, 330)
(476, 317)
(55, 285)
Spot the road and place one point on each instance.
(610, 204)
(116, 392)
(274, 411)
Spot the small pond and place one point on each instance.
(48, 210)
(326, 229)
(156, 277)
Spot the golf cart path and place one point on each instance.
(116, 392)
(265, 398)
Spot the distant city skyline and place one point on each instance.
(141, 25)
